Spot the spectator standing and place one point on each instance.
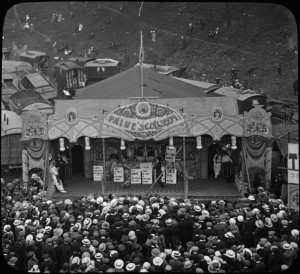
(191, 29)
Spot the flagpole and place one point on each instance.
(141, 64)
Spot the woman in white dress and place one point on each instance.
(217, 163)
(55, 178)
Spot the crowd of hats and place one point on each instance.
(148, 234)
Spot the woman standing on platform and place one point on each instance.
(55, 177)
(217, 163)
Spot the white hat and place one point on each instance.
(157, 261)
(86, 241)
(29, 238)
(230, 253)
(39, 237)
(232, 221)
(98, 256)
(75, 260)
(251, 198)
(295, 232)
(34, 176)
(130, 266)
(197, 208)
(119, 264)
(146, 265)
(131, 235)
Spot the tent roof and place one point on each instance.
(14, 125)
(127, 84)
(37, 80)
(280, 131)
(23, 98)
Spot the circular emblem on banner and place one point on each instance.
(257, 115)
(71, 117)
(143, 109)
(217, 114)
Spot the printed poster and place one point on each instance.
(119, 174)
(98, 173)
(171, 176)
(136, 176)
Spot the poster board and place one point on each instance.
(293, 196)
(98, 173)
(293, 164)
(147, 176)
(171, 176)
(170, 155)
(119, 174)
(136, 176)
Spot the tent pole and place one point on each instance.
(104, 168)
(185, 181)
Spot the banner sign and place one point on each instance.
(147, 176)
(34, 125)
(257, 122)
(147, 165)
(119, 174)
(171, 176)
(170, 154)
(143, 120)
(293, 196)
(293, 163)
(136, 176)
(97, 173)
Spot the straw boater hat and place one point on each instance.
(286, 246)
(157, 261)
(119, 264)
(175, 254)
(229, 235)
(168, 222)
(197, 208)
(214, 266)
(34, 176)
(230, 253)
(130, 267)
(259, 223)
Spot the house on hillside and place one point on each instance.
(39, 60)
(6, 54)
(69, 76)
(29, 100)
(166, 70)
(100, 69)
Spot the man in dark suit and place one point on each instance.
(247, 229)
(47, 264)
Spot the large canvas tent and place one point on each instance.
(128, 84)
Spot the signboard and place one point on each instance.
(257, 122)
(34, 125)
(171, 176)
(119, 174)
(147, 165)
(147, 176)
(136, 177)
(293, 196)
(170, 154)
(143, 120)
(97, 173)
(293, 164)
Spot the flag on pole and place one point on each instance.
(140, 9)
(142, 53)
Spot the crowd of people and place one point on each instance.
(107, 234)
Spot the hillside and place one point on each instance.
(251, 35)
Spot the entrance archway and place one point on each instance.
(77, 160)
(212, 150)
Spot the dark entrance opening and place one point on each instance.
(77, 160)
(212, 150)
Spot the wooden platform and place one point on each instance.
(204, 189)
